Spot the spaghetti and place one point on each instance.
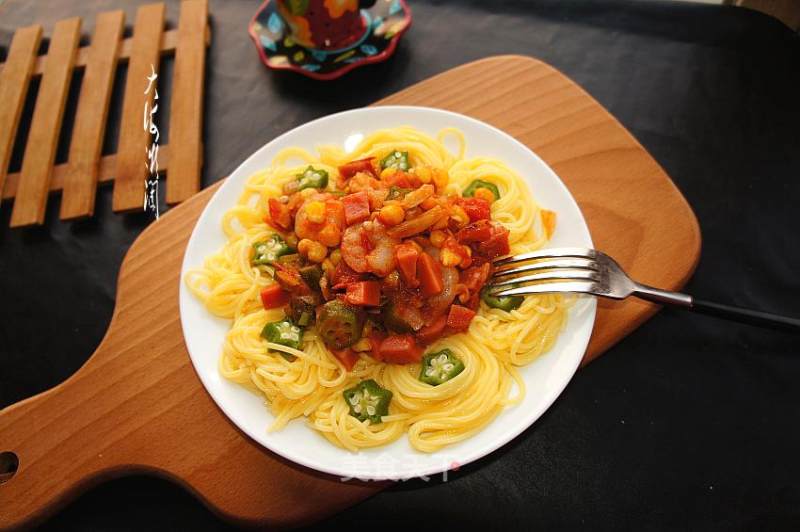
(309, 381)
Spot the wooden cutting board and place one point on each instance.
(137, 405)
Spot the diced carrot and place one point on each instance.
(279, 214)
(476, 208)
(459, 318)
(274, 296)
(400, 349)
(549, 222)
(434, 331)
(430, 275)
(407, 256)
(346, 356)
(365, 293)
(356, 207)
(350, 169)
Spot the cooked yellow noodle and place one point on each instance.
(311, 385)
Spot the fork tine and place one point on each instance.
(578, 287)
(579, 275)
(546, 264)
(585, 253)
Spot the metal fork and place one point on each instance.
(588, 271)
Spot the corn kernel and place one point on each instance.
(424, 174)
(303, 246)
(362, 345)
(392, 214)
(484, 194)
(459, 215)
(315, 212)
(291, 240)
(328, 267)
(449, 258)
(437, 238)
(336, 257)
(388, 172)
(317, 253)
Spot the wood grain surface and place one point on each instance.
(138, 406)
(169, 42)
(83, 164)
(107, 167)
(186, 114)
(133, 138)
(40, 150)
(14, 81)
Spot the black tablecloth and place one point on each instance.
(689, 422)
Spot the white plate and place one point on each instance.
(545, 378)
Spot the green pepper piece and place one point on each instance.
(312, 178)
(311, 274)
(440, 367)
(368, 400)
(507, 303)
(268, 251)
(396, 192)
(396, 159)
(283, 332)
(469, 192)
(339, 324)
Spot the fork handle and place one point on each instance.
(728, 312)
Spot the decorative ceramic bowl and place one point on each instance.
(278, 39)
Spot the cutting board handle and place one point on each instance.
(47, 439)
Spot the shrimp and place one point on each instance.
(367, 248)
(327, 232)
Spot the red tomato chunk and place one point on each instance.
(356, 207)
(274, 296)
(364, 293)
(362, 165)
(399, 349)
(459, 318)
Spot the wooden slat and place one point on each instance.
(168, 44)
(40, 151)
(186, 113)
(107, 167)
(80, 182)
(14, 81)
(134, 139)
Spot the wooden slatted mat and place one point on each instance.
(138, 406)
(85, 167)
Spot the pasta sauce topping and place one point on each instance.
(385, 263)
(355, 286)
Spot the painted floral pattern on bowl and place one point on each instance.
(371, 40)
